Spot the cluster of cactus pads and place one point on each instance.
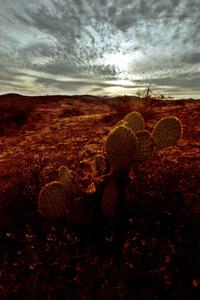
(55, 198)
(128, 142)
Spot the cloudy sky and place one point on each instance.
(102, 47)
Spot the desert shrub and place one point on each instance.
(14, 111)
(149, 100)
(122, 106)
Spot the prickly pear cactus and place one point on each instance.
(129, 142)
(54, 200)
(99, 165)
(65, 176)
(167, 132)
(145, 145)
(120, 147)
(135, 121)
(110, 199)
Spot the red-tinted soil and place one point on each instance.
(153, 253)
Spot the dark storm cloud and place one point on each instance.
(83, 39)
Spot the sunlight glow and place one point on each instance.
(118, 91)
(119, 60)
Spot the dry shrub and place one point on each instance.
(123, 105)
(14, 112)
(146, 106)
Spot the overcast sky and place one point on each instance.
(103, 47)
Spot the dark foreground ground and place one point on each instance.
(154, 255)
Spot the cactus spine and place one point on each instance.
(122, 122)
(135, 121)
(145, 145)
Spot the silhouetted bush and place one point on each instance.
(14, 112)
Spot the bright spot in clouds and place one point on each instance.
(119, 60)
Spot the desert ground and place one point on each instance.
(157, 255)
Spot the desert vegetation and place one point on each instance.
(149, 249)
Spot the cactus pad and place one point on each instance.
(145, 145)
(120, 146)
(99, 165)
(65, 176)
(110, 199)
(167, 132)
(54, 200)
(135, 121)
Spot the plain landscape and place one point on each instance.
(157, 253)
